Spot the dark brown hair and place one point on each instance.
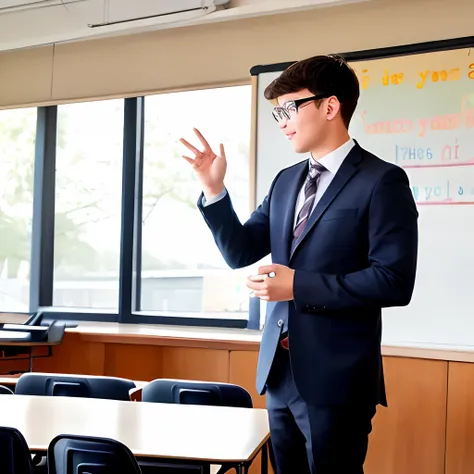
(329, 75)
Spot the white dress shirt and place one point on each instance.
(332, 162)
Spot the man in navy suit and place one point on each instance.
(341, 227)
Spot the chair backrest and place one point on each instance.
(15, 457)
(69, 454)
(196, 393)
(110, 388)
(5, 390)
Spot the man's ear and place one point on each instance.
(333, 106)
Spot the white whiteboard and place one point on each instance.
(416, 111)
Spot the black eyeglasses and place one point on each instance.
(290, 108)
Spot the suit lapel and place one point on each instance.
(343, 175)
(294, 187)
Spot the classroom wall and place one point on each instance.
(219, 53)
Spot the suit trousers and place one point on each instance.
(309, 439)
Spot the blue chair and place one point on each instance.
(5, 390)
(15, 457)
(196, 393)
(109, 388)
(83, 454)
(188, 392)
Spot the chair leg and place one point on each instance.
(242, 469)
(264, 454)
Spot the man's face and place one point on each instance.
(307, 124)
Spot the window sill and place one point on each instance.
(237, 320)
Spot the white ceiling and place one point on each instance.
(27, 23)
(16, 3)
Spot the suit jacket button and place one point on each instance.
(280, 323)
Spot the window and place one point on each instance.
(182, 269)
(17, 154)
(176, 267)
(88, 204)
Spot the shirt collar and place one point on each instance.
(333, 161)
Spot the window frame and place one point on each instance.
(42, 259)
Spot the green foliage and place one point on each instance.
(78, 204)
(17, 149)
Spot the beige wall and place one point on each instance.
(220, 53)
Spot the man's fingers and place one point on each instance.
(256, 286)
(189, 160)
(263, 295)
(221, 151)
(257, 277)
(202, 140)
(190, 147)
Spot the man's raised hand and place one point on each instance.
(210, 168)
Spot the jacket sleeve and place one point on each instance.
(240, 244)
(393, 244)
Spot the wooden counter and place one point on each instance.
(238, 340)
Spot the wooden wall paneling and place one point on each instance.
(9, 365)
(133, 361)
(74, 356)
(58, 360)
(41, 363)
(460, 415)
(195, 364)
(243, 369)
(409, 436)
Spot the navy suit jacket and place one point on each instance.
(357, 255)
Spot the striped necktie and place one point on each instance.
(310, 188)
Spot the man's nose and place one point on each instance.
(283, 123)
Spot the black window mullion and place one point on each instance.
(42, 241)
(132, 181)
(138, 217)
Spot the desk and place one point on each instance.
(203, 434)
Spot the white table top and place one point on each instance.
(200, 433)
